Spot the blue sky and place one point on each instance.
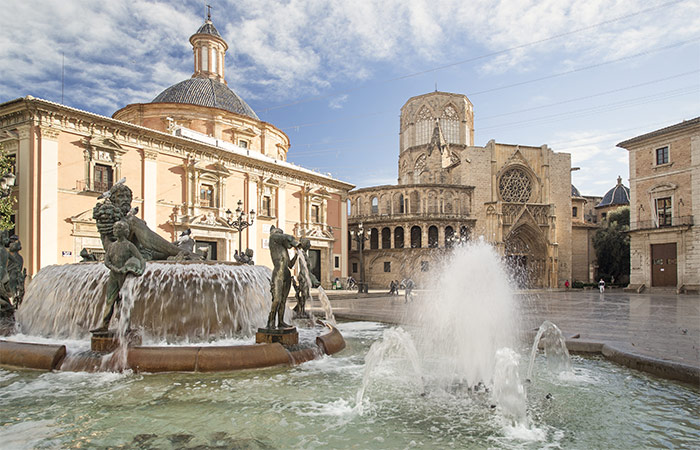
(579, 76)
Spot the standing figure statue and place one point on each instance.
(6, 308)
(303, 290)
(122, 258)
(281, 281)
(116, 207)
(16, 272)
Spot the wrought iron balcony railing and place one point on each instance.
(662, 223)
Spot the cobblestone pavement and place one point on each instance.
(663, 326)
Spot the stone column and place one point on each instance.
(150, 187)
(25, 221)
(48, 197)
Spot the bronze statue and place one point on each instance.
(116, 207)
(16, 272)
(281, 281)
(6, 308)
(87, 256)
(303, 290)
(122, 258)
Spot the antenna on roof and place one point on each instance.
(436, 86)
(208, 12)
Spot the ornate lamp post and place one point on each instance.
(239, 221)
(359, 236)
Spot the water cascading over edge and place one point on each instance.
(173, 301)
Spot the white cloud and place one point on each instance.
(337, 102)
(297, 48)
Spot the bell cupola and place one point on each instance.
(209, 52)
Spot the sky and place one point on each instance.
(578, 76)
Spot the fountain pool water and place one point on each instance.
(599, 405)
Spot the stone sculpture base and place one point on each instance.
(107, 341)
(285, 336)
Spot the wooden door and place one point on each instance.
(663, 265)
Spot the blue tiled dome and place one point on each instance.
(619, 195)
(205, 92)
(574, 191)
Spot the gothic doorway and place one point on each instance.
(526, 256)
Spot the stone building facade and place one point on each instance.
(189, 156)
(664, 206)
(511, 195)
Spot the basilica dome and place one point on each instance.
(617, 196)
(204, 91)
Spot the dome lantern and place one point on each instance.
(209, 50)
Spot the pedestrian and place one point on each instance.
(601, 285)
(408, 286)
(392, 287)
(566, 285)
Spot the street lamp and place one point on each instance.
(359, 236)
(239, 221)
(7, 181)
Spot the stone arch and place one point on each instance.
(415, 202)
(416, 237)
(526, 254)
(399, 203)
(374, 239)
(433, 236)
(398, 237)
(433, 205)
(449, 236)
(374, 202)
(386, 237)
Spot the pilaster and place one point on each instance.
(150, 186)
(48, 196)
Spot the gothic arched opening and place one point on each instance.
(416, 238)
(526, 256)
(432, 236)
(386, 238)
(398, 237)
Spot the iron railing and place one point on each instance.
(668, 222)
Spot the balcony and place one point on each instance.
(414, 216)
(652, 225)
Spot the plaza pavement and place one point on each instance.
(658, 332)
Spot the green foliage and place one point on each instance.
(577, 285)
(612, 246)
(6, 203)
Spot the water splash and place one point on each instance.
(558, 359)
(173, 302)
(326, 306)
(508, 392)
(394, 341)
(466, 316)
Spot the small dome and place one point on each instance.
(208, 28)
(205, 92)
(574, 191)
(619, 195)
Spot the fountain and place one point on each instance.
(187, 311)
(458, 385)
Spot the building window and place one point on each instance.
(432, 236)
(424, 266)
(662, 155)
(206, 195)
(386, 238)
(515, 185)
(603, 215)
(315, 213)
(663, 211)
(103, 178)
(375, 205)
(242, 143)
(354, 267)
(267, 206)
(398, 237)
(336, 262)
(374, 239)
(449, 237)
(416, 237)
(387, 266)
(574, 211)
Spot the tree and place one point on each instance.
(612, 246)
(7, 200)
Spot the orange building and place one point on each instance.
(190, 156)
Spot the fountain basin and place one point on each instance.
(173, 358)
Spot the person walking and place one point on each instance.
(601, 285)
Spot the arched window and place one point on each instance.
(386, 238)
(449, 236)
(401, 204)
(464, 233)
(375, 205)
(416, 237)
(415, 202)
(349, 207)
(398, 237)
(374, 239)
(432, 236)
(432, 202)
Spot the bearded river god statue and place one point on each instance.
(117, 206)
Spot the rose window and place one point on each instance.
(515, 186)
